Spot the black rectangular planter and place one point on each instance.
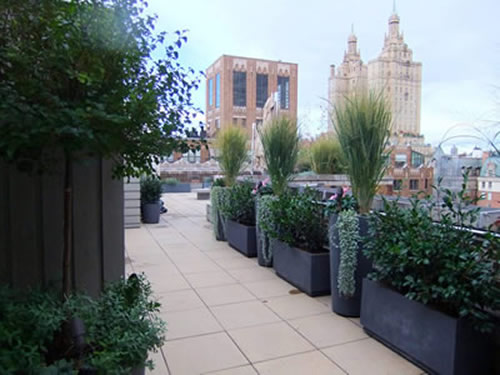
(434, 341)
(177, 188)
(309, 272)
(241, 238)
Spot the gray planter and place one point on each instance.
(151, 213)
(220, 233)
(309, 272)
(140, 370)
(341, 305)
(242, 238)
(177, 188)
(264, 252)
(434, 341)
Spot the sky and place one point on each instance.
(457, 41)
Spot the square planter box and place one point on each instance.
(308, 272)
(434, 341)
(241, 238)
(177, 188)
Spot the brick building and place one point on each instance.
(488, 184)
(237, 89)
(409, 172)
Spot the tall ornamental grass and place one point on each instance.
(326, 156)
(232, 145)
(280, 141)
(362, 124)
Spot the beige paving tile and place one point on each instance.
(224, 294)
(160, 367)
(325, 300)
(169, 283)
(296, 306)
(369, 357)
(252, 274)
(244, 370)
(244, 314)
(236, 263)
(190, 323)
(269, 341)
(206, 279)
(300, 364)
(328, 329)
(180, 300)
(222, 253)
(196, 355)
(269, 288)
(198, 267)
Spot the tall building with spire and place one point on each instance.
(393, 73)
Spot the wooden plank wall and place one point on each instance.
(31, 226)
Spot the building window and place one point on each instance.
(210, 93)
(244, 122)
(489, 196)
(261, 90)
(417, 159)
(490, 184)
(397, 184)
(284, 92)
(400, 161)
(171, 158)
(217, 90)
(239, 89)
(235, 121)
(191, 156)
(413, 184)
(426, 184)
(483, 184)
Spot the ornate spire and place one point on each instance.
(394, 7)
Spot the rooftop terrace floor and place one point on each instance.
(226, 315)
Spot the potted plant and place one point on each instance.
(231, 146)
(434, 284)
(150, 199)
(298, 228)
(172, 185)
(362, 126)
(280, 142)
(113, 333)
(239, 211)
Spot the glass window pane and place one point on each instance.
(239, 89)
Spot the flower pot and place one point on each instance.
(342, 305)
(151, 213)
(434, 341)
(309, 272)
(242, 238)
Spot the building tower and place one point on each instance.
(351, 76)
(399, 78)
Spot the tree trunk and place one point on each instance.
(68, 224)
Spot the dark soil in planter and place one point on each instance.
(242, 238)
(434, 341)
(341, 305)
(309, 272)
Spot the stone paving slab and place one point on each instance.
(226, 315)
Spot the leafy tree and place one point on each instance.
(79, 79)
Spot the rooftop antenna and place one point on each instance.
(394, 7)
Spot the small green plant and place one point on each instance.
(443, 264)
(218, 197)
(326, 156)
(298, 220)
(171, 181)
(150, 189)
(219, 182)
(240, 204)
(362, 125)
(280, 141)
(348, 229)
(231, 143)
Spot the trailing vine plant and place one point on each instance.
(218, 195)
(263, 214)
(348, 232)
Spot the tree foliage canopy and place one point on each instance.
(79, 75)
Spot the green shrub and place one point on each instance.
(362, 125)
(298, 220)
(348, 229)
(240, 204)
(303, 159)
(263, 215)
(326, 156)
(150, 189)
(441, 264)
(219, 182)
(232, 145)
(171, 181)
(218, 197)
(280, 141)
